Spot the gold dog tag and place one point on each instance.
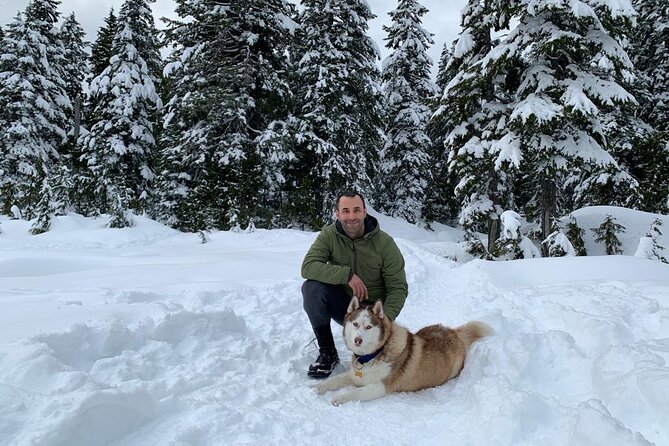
(358, 373)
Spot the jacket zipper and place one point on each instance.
(355, 259)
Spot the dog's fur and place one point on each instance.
(407, 361)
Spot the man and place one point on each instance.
(351, 257)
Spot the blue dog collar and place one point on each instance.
(366, 358)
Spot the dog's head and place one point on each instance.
(364, 327)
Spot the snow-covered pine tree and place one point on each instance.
(267, 33)
(623, 133)
(101, 49)
(574, 64)
(649, 155)
(559, 245)
(607, 233)
(34, 106)
(75, 71)
(482, 156)
(82, 192)
(227, 74)
(575, 235)
(339, 130)
(119, 149)
(512, 243)
(443, 74)
(407, 88)
(649, 246)
(650, 43)
(440, 203)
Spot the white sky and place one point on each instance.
(443, 20)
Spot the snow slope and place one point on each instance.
(145, 336)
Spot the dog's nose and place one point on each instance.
(358, 341)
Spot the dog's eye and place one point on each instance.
(355, 324)
(369, 327)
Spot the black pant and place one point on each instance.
(323, 302)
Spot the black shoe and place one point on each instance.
(324, 365)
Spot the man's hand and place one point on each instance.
(358, 287)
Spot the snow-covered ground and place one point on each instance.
(145, 336)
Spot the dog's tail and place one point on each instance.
(473, 331)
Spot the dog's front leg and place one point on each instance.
(334, 383)
(364, 393)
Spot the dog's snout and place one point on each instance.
(358, 340)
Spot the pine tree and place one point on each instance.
(339, 105)
(649, 246)
(102, 48)
(83, 190)
(575, 235)
(607, 233)
(651, 57)
(481, 157)
(119, 150)
(559, 245)
(512, 243)
(220, 160)
(575, 65)
(649, 152)
(443, 74)
(440, 203)
(404, 168)
(75, 71)
(34, 106)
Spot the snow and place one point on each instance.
(144, 335)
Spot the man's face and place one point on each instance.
(351, 213)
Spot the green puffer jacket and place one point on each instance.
(374, 257)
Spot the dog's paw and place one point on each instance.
(320, 389)
(339, 401)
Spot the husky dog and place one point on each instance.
(388, 358)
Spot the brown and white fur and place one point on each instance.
(408, 362)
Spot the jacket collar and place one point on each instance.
(371, 226)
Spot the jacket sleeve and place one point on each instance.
(395, 280)
(315, 265)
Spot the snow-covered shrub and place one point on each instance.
(559, 245)
(575, 235)
(512, 243)
(475, 246)
(607, 233)
(649, 247)
(16, 212)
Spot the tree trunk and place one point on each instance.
(493, 221)
(548, 202)
(77, 120)
(493, 232)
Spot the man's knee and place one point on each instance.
(313, 295)
(313, 288)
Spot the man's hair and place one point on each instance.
(350, 194)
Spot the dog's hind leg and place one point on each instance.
(364, 393)
(334, 383)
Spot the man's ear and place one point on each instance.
(354, 305)
(378, 308)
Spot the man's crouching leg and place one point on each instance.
(323, 302)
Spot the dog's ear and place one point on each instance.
(354, 305)
(378, 308)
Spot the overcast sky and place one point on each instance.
(443, 19)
